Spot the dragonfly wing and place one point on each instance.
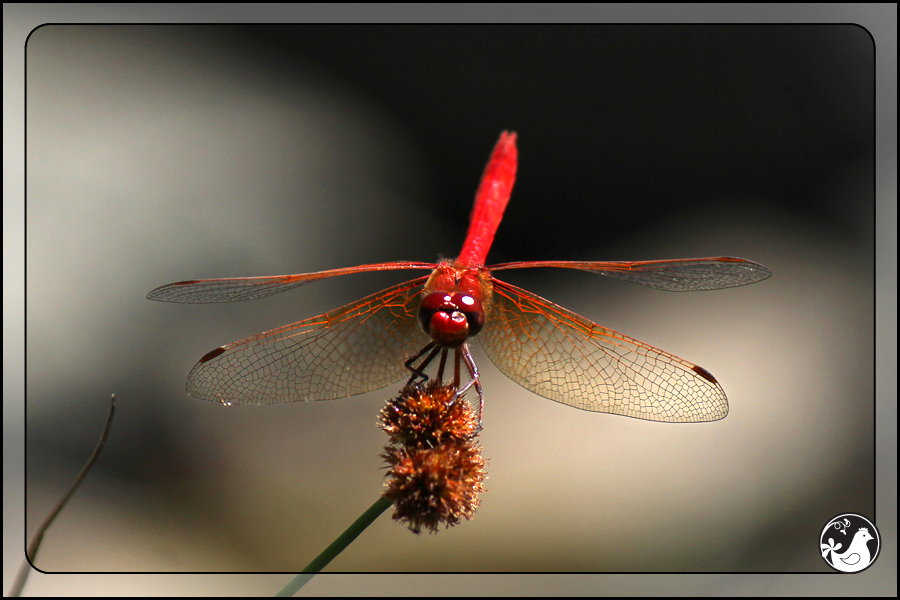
(357, 348)
(564, 357)
(678, 275)
(236, 289)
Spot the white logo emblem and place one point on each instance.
(845, 543)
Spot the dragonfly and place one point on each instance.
(400, 331)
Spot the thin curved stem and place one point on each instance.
(32, 549)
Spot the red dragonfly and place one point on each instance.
(376, 341)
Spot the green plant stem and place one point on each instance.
(336, 547)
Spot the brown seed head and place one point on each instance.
(435, 466)
(430, 486)
(428, 415)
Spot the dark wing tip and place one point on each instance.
(702, 373)
(161, 293)
(211, 355)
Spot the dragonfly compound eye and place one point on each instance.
(450, 319)
(471, 307)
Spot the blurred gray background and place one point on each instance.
(163, 153)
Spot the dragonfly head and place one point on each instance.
(451, 318)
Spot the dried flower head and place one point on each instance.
(435, 466)
(425, 415)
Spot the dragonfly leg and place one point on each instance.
(440, 373)
(473, 373)
(420, 370)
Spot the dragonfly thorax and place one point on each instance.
(451, 318)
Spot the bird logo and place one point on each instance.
(859, 554)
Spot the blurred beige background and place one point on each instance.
(161, 154)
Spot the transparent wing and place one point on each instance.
(357, 348)
(677, 275)
(235, 289)
(564, 357)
